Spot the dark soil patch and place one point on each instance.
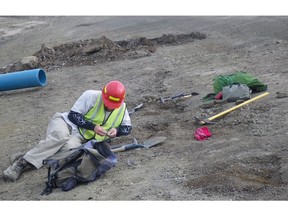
(252, 174)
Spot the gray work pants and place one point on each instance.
(58, 142)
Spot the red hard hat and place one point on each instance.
(113, 94)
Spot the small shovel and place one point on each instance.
(146, 144)
(135, 109)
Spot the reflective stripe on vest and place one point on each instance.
(97, 116)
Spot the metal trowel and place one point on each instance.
(146, 144)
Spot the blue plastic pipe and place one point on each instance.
(22, 79)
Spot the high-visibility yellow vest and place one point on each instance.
(97, 116)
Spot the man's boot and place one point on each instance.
(13, 172)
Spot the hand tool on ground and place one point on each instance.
(135, 109)
(281, 94)
(208, 121)
(146, 144)
(177, 96)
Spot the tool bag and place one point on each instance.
(236, 92)
(85, 164)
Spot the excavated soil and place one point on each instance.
(244, 159)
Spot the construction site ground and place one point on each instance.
(244, 159)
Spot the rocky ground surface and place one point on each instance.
(246, 157)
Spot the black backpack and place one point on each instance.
(85, 164)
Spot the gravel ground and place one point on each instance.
(246, 157)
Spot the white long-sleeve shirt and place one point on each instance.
(86, 102)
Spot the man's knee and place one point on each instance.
(59, 136)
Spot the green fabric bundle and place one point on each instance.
(239, 77)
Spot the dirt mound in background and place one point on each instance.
(97, 51)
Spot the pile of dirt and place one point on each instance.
(97, 51)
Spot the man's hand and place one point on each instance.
(100, 131)
(112, 132)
